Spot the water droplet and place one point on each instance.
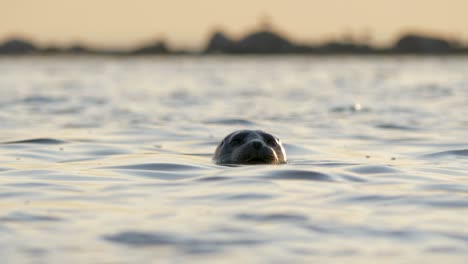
(357, 107)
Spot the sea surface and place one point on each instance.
(108, 160)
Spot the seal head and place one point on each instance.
(250, 147)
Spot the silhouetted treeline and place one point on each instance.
(260, 42)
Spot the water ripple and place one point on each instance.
(110, 159)
(198, 245)
(233, 122)
(373, 169)
(456, 153)
(46, 141)
(24, 217)
(159, 167)
(299, 175)
(396, 127)
(273, 217)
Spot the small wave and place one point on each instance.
(458, 153)
(350, 109)
(31, 185)
(106, 152)
(161, 171)
(200, 244)
(299, 175)
(4, 169)
(67, 110)
(234, 122)
(5, 195)
(373, 198)
(373, 169)
(138, 239)
(82, 125)
(214, 178)
(159, 167)
(448, 188)
(335, 164)
(352, 178)
(457, 236)
(444, 249)
(24, 217)
(249, 196)
(448, 203)
(395, 127)
(233, 197)
(46, 141)
(275, 217)
(39, 99)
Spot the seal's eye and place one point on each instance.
(238, 139)
(235, 142)
(270, 140)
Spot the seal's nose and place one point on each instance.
(257, 144)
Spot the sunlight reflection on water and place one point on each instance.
(110, 159)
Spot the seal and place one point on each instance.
(250, 147)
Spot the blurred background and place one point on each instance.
(209, 26)
(106, 151)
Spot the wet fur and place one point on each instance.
(234, 151)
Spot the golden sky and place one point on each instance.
(188, 23)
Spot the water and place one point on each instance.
(108, 160)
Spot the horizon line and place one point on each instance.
(338, 37)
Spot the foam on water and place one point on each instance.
(109, 160)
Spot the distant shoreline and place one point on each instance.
(262, 42)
